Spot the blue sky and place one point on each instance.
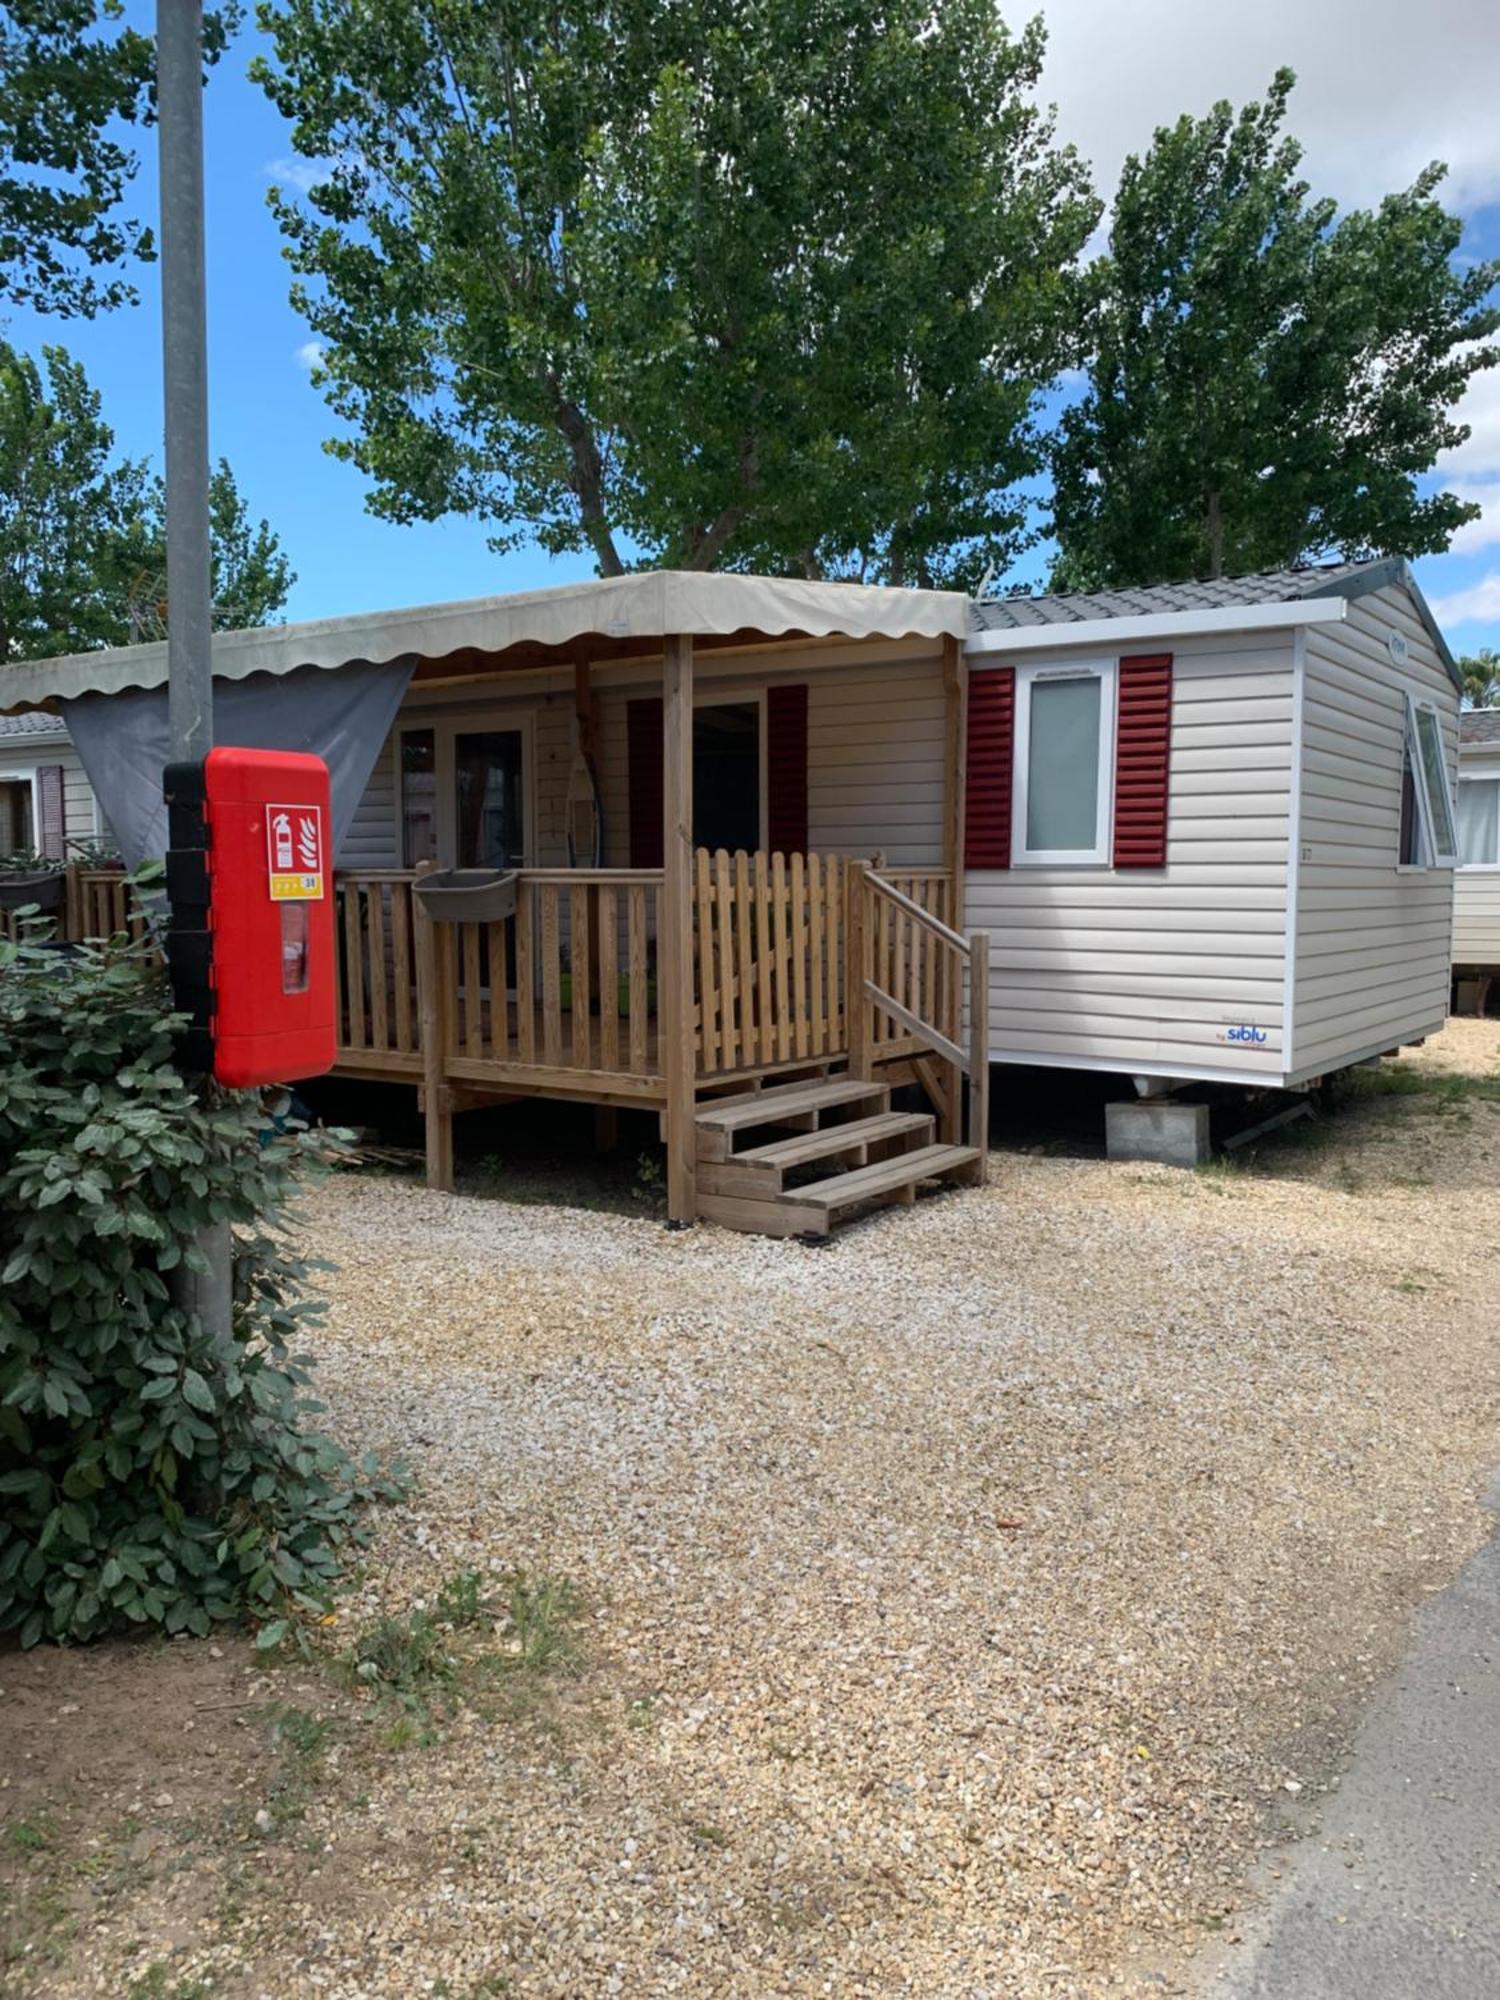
(1373, 103)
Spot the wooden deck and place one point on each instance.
(813, 967)
(770, 945)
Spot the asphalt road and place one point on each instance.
(1397, 1895)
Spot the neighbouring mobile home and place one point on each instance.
(780, 846)
(1476, 885)
(47, 806)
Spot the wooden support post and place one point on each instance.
(856, 971)
(437, 1106)
(606, 1128)
(979, 1051)
(674, 973)
(955, 757)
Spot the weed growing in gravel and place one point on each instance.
(157, 1983)
(428, 1663)
(459, 1602)
(28, 1836)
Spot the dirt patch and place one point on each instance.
(957, 1605)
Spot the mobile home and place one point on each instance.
(779, 846)
(47, 805)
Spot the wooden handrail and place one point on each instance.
(881, 957)
(924, 917)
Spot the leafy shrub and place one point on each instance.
(145, 1477)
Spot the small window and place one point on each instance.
(1428, 839)
(726, 776)
(1479, 822)
(418, 797)
(1064, 758)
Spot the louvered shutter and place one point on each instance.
(643, 726)
(51, 833)
(1143, 738)
(988, 767)
(786, 769)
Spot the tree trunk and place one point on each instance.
(1214, 523)
(587, 480)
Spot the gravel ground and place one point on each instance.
(966, 1605)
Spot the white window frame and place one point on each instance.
(1432, 857)
(446, 728)
(31, 778)
(1480, 776)
(729, 695)
(1107, 673)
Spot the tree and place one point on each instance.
(251, 576)
(83, 536)
(702, 283)
(1266, 382)
(69, 72)
(1481, 677)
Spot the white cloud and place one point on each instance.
(1381, 90)
(1478, 604)
(1479, 408)
(292, 172)
(1484, 532)
(310, 355)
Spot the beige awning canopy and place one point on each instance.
(614, 618)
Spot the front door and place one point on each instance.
(463, 797)
(487, 782)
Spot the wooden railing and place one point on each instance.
(101, 904)
(911, 970)
(97, 903)
(378, 976)
(565, 987)
(768, 975)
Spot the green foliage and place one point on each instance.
(146, 1478)
(83, 536)
(70, 75)
(1481, 677)
(1266, 382)
(706, 283)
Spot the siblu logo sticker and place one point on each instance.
(1246, 1032)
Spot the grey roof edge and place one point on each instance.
(1382, 574)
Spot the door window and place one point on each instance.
(726, 776)
(487, 794)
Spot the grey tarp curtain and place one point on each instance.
(342, 715)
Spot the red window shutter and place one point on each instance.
(786, 769)
(988, 767)
(643, 733)
(51, 833)
(1143, 738)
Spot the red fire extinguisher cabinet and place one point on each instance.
(251, 938)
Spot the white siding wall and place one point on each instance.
(1476, 891)
(1373, 942)
(874, 749)
(1150, 971)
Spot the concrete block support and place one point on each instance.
(1174, 1135)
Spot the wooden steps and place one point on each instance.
(790, 1160)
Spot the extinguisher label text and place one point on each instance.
(294, 851)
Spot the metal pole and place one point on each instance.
(179, 83)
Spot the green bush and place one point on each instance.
(145, 1478)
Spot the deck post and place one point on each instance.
(956, 708)
(674, 973)
(856, 971)
(437, 1104)
(979, 1051)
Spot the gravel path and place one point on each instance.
(966, 1603)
